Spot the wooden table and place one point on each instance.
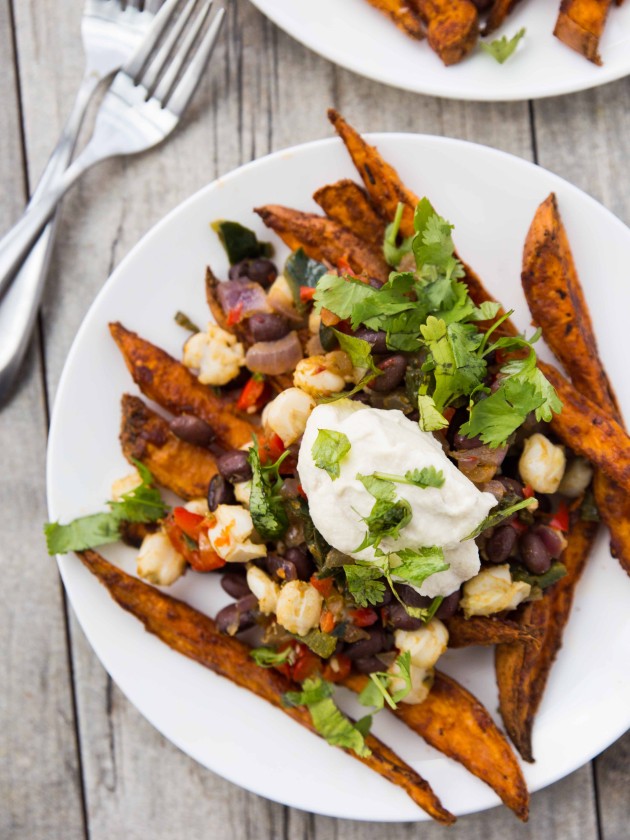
(76, 759)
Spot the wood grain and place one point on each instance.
(137, 784)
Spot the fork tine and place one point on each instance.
(160, 22)
(183, 51)
(187, 85)
(149, 78)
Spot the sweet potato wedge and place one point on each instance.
(556, 301)
(522, 668)
(590, 431)
(324, 239)
(195, 635)
(580, 25)
(386, 191)
(499, 10)
(346, 203)
(452, 27)
(167, 382)
(487, 630)
(453, 721)
(179, 466)
(403, 15)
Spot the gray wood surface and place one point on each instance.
(107, 762)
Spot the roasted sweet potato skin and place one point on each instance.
(453, 721)
(167, 382)
(523, 668)
(324, 239)
(589, 431)
(403, 15)
(195, 635)
(556, 300)
(499, 11)
(487, 630)
(179, 466)
(452, 27)
(346, 203)
(580, 25)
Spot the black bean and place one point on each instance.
(393, 374)
(192, 429)
(267, 326)
(235, 584)
(449, 605)
(400, 619)
(234, 466)
(412, 598)
(220, 492)
(378, 641)
(534, 554)
(280, 567)
(501, 544)
(552, 539)
(257, 270)
(511, 485)
(375, 338)
(239, 616)
(368, 665)
(462, 442)
(301, 559)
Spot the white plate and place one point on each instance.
(491, 198)
(356, 36)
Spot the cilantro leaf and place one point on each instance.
(423, 212)
(142, 504)
(329, 449)
(418, 564)
(387, 516)
(382, 489)
(358, 350)
(425, 477)
(392, 252)
(376, 693)
(498, 514)
(458, 369)
(365, 584)
(501, 48)
(267, 657)
(265, 503)
(340, 294)
(430, 418)
(496, 417)
(303, 270)
(486, 312)
(327, 719)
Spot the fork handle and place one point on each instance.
(18, 307)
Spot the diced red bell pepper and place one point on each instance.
(560, 519)
(337, 668)
(519, 527)
(190, 523)
(270, 448)
(306, 664)
(206, 559)
(253, 396)
(528, 491)
(235, 315)
(306, 293)
(323, 586)
(363, 616)
(300, 490)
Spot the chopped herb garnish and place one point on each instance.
(393, 252)
(498, 514)
(265, 503)
(376, 693)
(268, 657)
(184, 321)
(359, 351)
(142, 504)
(426, 477)
(329, 449)
(327, 719)
(365, 583)
(502, 48)
(240, 243)
(303, 270)
(388, 515)
(416, 565)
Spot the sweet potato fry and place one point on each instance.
(346, 203)
(452, 27)
(522, 668)
(195, 635)
(179, 466)
(403, 15)
(580, 25)
(589, 431)
(458, 725)
(324, 239)
(499, 10)
(386, 191)
(487, 630)
(167, 382)
(556, 301)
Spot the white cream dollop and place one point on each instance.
(386, 441)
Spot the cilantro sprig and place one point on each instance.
(265, 503)
(502, 48)
(388, 515)
(425, 477)
(268, 657)
(329, 448)
(142, 504)
(377, 691)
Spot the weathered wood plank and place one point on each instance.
(39, 775)
(612, 772)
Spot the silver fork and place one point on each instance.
(142, 106)
(110, 33)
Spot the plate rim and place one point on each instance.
(374, 137)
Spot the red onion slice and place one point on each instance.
(275, 357)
